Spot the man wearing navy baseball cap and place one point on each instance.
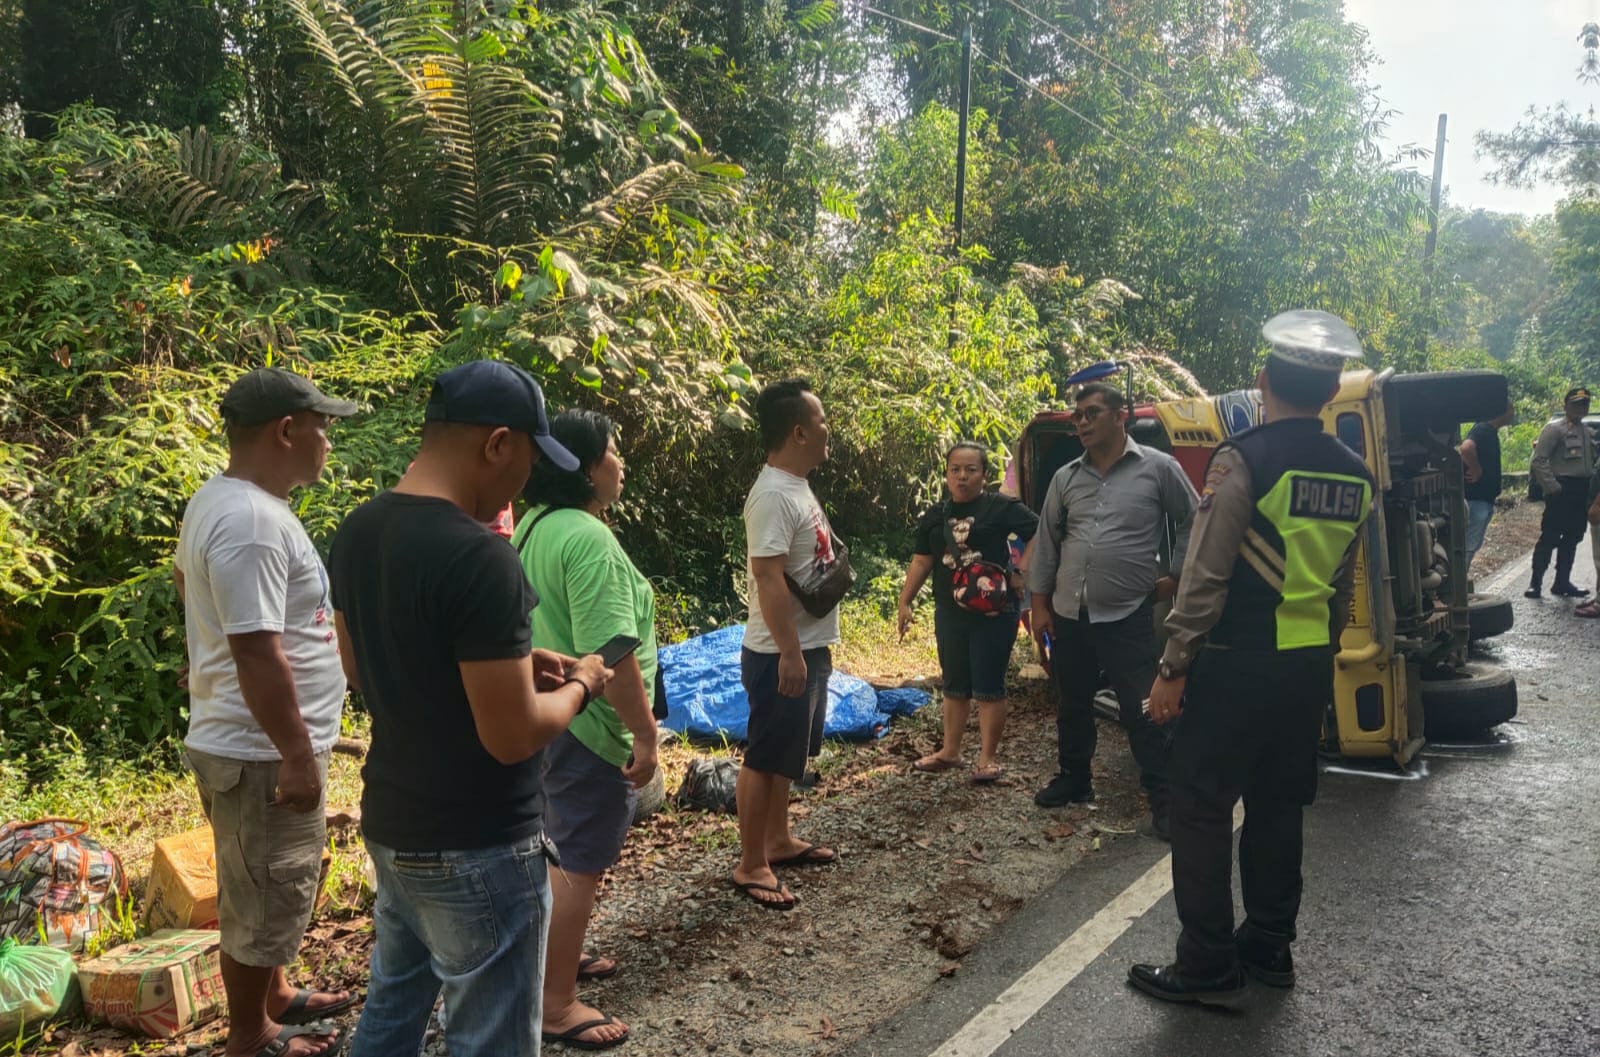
(433, 610)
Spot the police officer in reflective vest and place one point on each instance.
(1248, 668)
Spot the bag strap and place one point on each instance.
(81, 830)
(526, 532)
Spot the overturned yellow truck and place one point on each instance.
(1403, 672)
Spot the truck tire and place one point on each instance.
(1466, 701)
(1488, 616)
(650, 797)
(1440, 402)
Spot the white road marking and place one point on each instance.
(989, 1029)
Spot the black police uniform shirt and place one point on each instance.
(966, 532)
(422, 586)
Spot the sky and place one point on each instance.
(1483, 62)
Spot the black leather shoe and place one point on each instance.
(1158, 826)
(1064, 790)
(1268, 963)
(1533, 592)
(1569, 590)
(1167, 983)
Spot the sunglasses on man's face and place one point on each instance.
(1088, 414)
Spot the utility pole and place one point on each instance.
(961, 158)
(1433, 232)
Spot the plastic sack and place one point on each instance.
(34, 984)
(708, 785)
(54, 876)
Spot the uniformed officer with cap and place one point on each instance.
(1249, 665)
(1563, 463)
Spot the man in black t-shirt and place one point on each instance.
(432, 610)
(1480, 460)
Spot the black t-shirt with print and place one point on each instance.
(984, 526)
(422, 587)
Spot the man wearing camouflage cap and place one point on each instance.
(1249, 665)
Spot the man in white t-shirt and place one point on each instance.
(787, 658)
(265, 693)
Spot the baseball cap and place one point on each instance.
(1577, 392)
(267, 393)
(1320, 341)
(496, 393)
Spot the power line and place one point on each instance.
(1009, 72)
(1063, 34)
(906, 22)
(1047, 97)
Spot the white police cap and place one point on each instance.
(1309, 338)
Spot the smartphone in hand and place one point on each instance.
(617, 648)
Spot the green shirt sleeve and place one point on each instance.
(599, 589)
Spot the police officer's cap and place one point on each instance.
(1306, 337)
(1578, 394)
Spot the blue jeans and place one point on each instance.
(471, 924)
(1479, 511)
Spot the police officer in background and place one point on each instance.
(1563, 462)
(1249, 665)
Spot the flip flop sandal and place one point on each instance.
(280, 1045)
(586, 970)
(570, 1036)
(987, 776)
(808, 856)
(298, 1010)
(749, 888)
(1588, 609)
(939, 764)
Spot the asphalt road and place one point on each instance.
(1451, 911)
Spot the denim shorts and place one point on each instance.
(588, 806)
(269, 858)
(974, 651)
(471, 924)
(784, 731)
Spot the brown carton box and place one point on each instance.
(182, 893)
(159, 986)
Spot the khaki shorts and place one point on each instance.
(268, 857)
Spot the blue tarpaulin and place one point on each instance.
(705, 697)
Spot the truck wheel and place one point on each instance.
(1466, 701)
(1442, 401)
(1488, 616)
(650, 797)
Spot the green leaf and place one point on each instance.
(509, 275)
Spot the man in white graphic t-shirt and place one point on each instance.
(265, 693)
(787, 658)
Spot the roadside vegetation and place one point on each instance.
(655, 208)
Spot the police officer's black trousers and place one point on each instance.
(1126, 651)
(1565, 518)
(1250, 725)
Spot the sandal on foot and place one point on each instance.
(298, 1011)
(810, 855)
(608, 967)
(939, 763)
(987, 775)
(280, 1045)
(570, 1036)
(750, 888)
(1588, 609)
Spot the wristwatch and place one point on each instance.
(1167, 671)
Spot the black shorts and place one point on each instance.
(974, 652)
(784, 731)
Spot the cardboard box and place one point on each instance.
(182, 893)
(159, 986)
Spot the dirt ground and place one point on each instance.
(929, 863)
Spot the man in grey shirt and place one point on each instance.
(1094, 580)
